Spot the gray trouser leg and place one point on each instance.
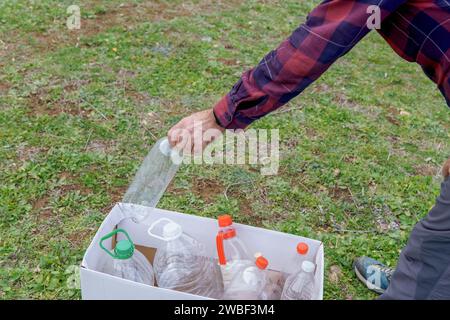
(423, 270)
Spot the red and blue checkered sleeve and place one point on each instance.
(330, 31)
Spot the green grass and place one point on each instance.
(78, 111)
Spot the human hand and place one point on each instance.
(193, 133)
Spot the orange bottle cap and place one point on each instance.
(225, 220)
(302, 248)
(261, 262)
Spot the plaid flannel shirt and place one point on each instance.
(418, 30)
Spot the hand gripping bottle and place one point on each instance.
(300, 285)
(249, 282)
(231, 251)
(181, 263)
(128, 263)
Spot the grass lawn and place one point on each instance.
(360, 148)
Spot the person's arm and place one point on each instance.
(330, 31)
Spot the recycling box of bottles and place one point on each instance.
(277, 247)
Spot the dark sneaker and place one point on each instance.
(375, 275)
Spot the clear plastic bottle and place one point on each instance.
(296, 262)
(127, 262)
(300, 285)
(154, 175)
(181, 263)
(249, 282)
(231, 251)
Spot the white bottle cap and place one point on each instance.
(308, 266)
(164, 147)
(172, 231)
(250, 277)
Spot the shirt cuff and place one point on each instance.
(227, 117)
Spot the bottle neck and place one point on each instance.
(224, 229)
(228, 233)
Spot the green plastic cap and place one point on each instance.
(124, 249)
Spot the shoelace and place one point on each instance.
(387, 271)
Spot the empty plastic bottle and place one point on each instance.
(156, 172)
(300, 285)
(249, 282)
(296, 262)
(231, 251)
(127, 262)
(181, 263)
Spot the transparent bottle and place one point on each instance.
(154, 175)
(127, 262)
(300, 285)
(231, 251)
(296, 261)
(249, 282)
(181, 263)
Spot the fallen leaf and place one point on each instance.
(404, 113)
(335, 274)
(336, 172)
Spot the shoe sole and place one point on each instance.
(368, 284)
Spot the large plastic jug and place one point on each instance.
(249, 281)
(231, 251)
(300, 285)
(128, 263)
(181, 263)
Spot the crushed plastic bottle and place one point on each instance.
(155, 174)
(127, 262)
(231, 251)
(249, 282)
(181, 263)
(300, 285)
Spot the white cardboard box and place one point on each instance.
(277, 247)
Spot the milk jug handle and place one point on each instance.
(110, 235)
(152, 226)
(220, 249)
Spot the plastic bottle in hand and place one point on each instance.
(249, 282)
(156, 172)
(127, 262)
(300, 285)
(232, 252)
(181, 263)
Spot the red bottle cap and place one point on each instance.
(302, 248)
(261, 262)
(225, 220)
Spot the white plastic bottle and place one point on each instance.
(231, 251)
(181, 263)
(249, 282)
(300, 285)
(127, 262)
